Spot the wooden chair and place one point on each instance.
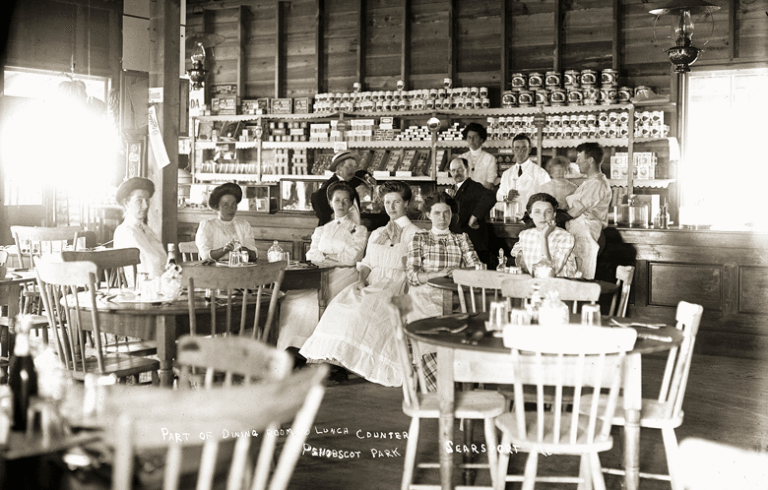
(9, 302)
(155, 423)
(666, 411)
(419, 404)
(189, 251)
(247, 359)
(59, 283)
(112, 265)
(584, 358)
(478, 282)
(624, 276)
(568, 290)
(31, 239)
(707, 465)
(264, 279)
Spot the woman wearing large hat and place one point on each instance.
(218, 236)
(134, 195)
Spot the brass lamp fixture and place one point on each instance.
(197, 72)
(684, 54)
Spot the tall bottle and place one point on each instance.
(275, 252)
(170, 281)
(22, 377)
(171, 260)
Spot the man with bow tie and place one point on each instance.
(523, 179)
(475, 202)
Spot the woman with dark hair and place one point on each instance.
(343, 166)
(339, 244)
(436, 253)
(482, 165)
(216, 237)
(134, 195)
(356, 329)
(545, 241)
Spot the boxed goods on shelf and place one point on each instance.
(225, 104)
(644, 163)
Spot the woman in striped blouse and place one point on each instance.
(436, 253)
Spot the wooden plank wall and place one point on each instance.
(365, 41)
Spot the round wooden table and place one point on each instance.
(474, 356)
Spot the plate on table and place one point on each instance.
(130, 298)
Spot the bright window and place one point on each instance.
(725, 169)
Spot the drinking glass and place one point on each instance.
(590, 315)
(498, 317)
(234, 259)
(520, 316)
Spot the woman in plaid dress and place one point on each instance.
(436, 253)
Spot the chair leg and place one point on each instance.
(503, 463)
(673, 460)
(585, 473)
(531, 467)
(155, 379)
(467, 457)
(597, 472)
(490, 441)
(410, 454)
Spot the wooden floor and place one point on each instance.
(726, 402)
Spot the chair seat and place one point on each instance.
(133, 348)
(507, 423)
(478, 404)
(652, 414)
(121, 365)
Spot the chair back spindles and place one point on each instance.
(679, 360)
(188, 251)
(624, 276)
(478, 283)
(42, 238)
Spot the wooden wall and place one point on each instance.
(295, 48)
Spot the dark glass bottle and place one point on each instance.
(22, 377)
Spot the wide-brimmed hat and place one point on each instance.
(132, 184)
(229, 188)
(341, 157)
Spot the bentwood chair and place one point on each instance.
(420, 404)
(241, 360)
(117, 267)
(707, 465)
(624, 276)
(233, 420)
(666, 411)
(259, 284)
(68, 291)
(583, 358)
(188, 251)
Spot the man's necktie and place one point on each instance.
(519, 170)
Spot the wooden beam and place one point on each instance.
(405, 49)
(164, 73)
(115, 46)
(733, 6)
(80, 58)
(452, 41)
(242, 70)
(278, 45)
(361, 33)
(616, 36)
(504, 47)
(558, 41)
(320, 47)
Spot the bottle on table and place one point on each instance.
(275, 252)
(171, 260)
(502, 267)
(22, 377)
(170, 281)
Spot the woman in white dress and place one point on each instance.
(482, 165)
(357, 329)
(340, 244)
(216, 237)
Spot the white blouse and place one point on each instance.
(132, 233)
(338, 242)
(214, 233)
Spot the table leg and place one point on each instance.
(165, 331)
(446, 404)
(633, 402)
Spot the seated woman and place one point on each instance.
(339, 244)
(545, 241)
(436, 253)
(134, 195)
(216, 237)
(356, 330)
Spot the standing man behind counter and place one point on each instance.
(475, 202)
(524, 178)
(343, 165)
(588, 207)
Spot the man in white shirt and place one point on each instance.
(588, 207)
(523, 179)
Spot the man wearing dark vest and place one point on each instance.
(343, 166)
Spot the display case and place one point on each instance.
(295, 194)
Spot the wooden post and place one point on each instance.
(733, 6)
(164, 73)
(320, 47)
(616, 36)
(361, 43)
(405, 50)
(242, 69)
(278, 35)
(504, 48)
(452, 41)
(558, 41)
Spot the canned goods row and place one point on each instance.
(649, 117)
(570, 78)
(600, 119)
(651, 131)
(561, 97)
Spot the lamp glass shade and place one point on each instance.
(682, 30)
(198, 53)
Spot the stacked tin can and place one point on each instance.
(607, 124)
(650, 124)
(506, 128)
(572, 88)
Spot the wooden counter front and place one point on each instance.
(726, 272)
